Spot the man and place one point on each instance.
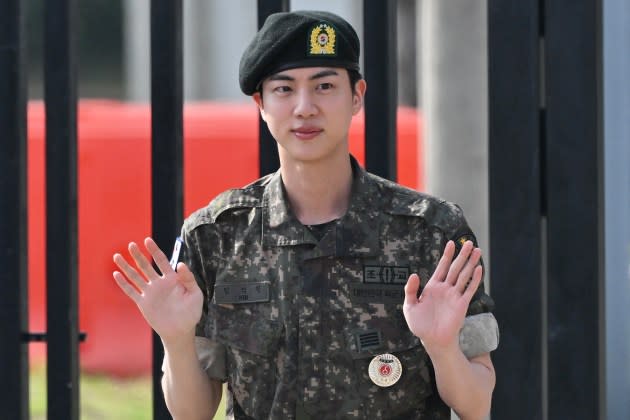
(293, 288)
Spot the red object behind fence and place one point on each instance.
(114, 199)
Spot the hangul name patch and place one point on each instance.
(242, 292)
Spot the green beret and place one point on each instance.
(290, 40)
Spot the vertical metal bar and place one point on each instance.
(267, 149)
(166, 147)
(380, 60)
(574, 168)
(61, 209)
(13, 222)
(515, 192)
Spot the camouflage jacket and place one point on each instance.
(292, 322)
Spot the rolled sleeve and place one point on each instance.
(211, 356)
(480, 334)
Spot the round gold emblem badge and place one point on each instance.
(385, 370)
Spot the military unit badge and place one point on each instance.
(322, 40)
(385, 370)
(461, 240)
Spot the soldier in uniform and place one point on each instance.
(319, 291)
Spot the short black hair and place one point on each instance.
(354, 77)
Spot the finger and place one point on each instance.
(474, 284)
(459, 262)
(445, 262)
(130, 272)
(467, 271)
(186, 276)
(142, 262)
(126, 287)
(158, 256)
(411, 289)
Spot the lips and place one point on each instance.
(306, 132)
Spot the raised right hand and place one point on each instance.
(171, 302)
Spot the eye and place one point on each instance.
(325, 86)
(282, 89)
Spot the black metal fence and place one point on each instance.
(545, 208)
(62, 314)
(166, 146)
(545, 140)
(13, 238)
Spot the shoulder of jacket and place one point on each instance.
(404, 201)
(249, 196)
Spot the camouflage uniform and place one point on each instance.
(292, 322)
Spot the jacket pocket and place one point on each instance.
(342, 384)
(407, 396)
(251, 343)
(249, 330)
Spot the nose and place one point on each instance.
(305, 106)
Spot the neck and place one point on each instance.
(318, 191)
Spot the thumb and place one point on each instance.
(411, 289)
(186, 277)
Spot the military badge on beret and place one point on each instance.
(385, 370)
(322, 40)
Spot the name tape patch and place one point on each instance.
(377, 293)
(242, 292)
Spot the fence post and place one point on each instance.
(166, 147)
(381, 100)
(61, 210)
(514, 111)
(267, 150)
(13, 229)
(573, 151)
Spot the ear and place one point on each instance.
(358, 95)
(257, 97)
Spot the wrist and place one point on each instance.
(178, 343)
(441, 352)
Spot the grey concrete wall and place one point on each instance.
(137, 50)
(351, 10)
(616, 102)
(216, 34)
(455, 106)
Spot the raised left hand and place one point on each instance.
(437, 316)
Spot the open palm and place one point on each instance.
(171, 302)
(438, 314)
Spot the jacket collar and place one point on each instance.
(356, 233)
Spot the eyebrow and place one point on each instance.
(318, 75)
